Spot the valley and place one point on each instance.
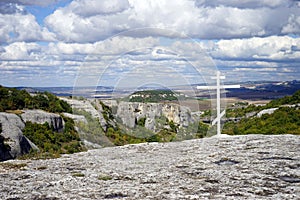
(143, 116)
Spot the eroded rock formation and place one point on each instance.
(131, 112)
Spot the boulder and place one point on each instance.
(15, 143)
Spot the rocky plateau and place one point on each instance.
(232, 167)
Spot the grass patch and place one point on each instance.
(78, 175)
(35, 155)
(17, 112)
(15, 166)
(104, 177)
(41, 168)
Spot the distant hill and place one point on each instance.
(250, 90)
(264, 90)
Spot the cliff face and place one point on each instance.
(41, 117)
(14, 143)
(131, 112)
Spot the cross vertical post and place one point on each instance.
(218, 87)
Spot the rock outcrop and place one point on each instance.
(41, 117)
(16, 143)
(267, 111)
(86, 105)
(131, 112)
(76, 118)
(239, 167)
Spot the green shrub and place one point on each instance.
(104, 177)
(78, 175)
(285, 120)
(51, 142)
(202, 130)
(13, 99)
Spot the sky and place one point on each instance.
(49, 43)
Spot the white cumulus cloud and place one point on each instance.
(246, 3)
(20, 27)
(277, 48)
(80, 21)
(93, 7)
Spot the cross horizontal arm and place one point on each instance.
(216, 87)
(231, 86)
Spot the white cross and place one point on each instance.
(218, 87)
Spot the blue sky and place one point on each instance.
(136, 42)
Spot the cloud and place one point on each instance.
(90, 35)
(89, 8)
(70, 27)
(22, 27)
(245, 3)
(274, 48)
(114, 46)
(293, 25)
(120, 55)
(90, 21)
(31, 2)
(10, 8)
(20, 51)
(80, 21)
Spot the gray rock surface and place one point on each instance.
(87, 106)
(82, 105)
(41, 117)
(240, 167)
(130, 112)
(76, 118)
(18, 144)
(267, 111)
